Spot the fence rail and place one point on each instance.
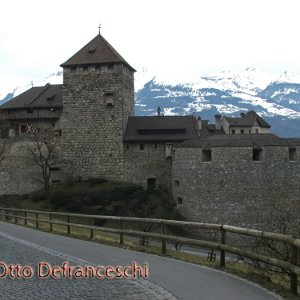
(292, 266)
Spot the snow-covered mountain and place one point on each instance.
(275, 98)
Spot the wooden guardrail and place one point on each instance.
(292, 266)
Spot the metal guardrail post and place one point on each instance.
(163, 241)
(222, 252)
(294, 277)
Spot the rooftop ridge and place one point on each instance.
(38, 95)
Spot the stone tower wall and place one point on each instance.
(97, 103)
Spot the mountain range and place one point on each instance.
(275, 98)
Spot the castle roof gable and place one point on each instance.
(48, 96)
(97, 51)
(250, 119)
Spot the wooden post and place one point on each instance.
(222, 252)
(68, 226)
(50, 222)
(16, 218)
(36, 220)
(25, 220)
(92, 234)
(121, 233)
(294, 277)
(163, 241)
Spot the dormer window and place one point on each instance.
(92, 50)
(51, 97)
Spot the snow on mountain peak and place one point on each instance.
(288, 77)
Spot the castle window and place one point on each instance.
(98, 68)
(56, 181)
(151, 183)
(292, 154)
(109, 99)
(155, 146)
(73, 69)
(85, 69)
(55, 169)
(242, 131)
(256, 154)
(110, 66)
(179, 200)
(23, 128)
(233, 131)
(206, 155)
(142, 146)
(127, 146)
(29, 110)
(176, 182)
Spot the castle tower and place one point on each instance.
(98, 98)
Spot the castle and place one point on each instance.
(227, 172)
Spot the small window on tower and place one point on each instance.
(292, 154)
(256, 154)
(110, 66)
(109, 99)
(142, 146)
(206, 155)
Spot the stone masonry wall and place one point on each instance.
(148, 163)
(92, 129)
(232, 188)
(18, 173)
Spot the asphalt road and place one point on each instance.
(182, 280)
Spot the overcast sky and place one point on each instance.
(193, 37)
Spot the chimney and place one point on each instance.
(218, 119)
(199, 123)
(242, 115)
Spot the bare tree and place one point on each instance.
(281, 219)
(45, 153)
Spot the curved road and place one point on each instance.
(168, 278)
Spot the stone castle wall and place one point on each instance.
(97, 103)
(234, 189)
(18, 173)
(151, 162)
